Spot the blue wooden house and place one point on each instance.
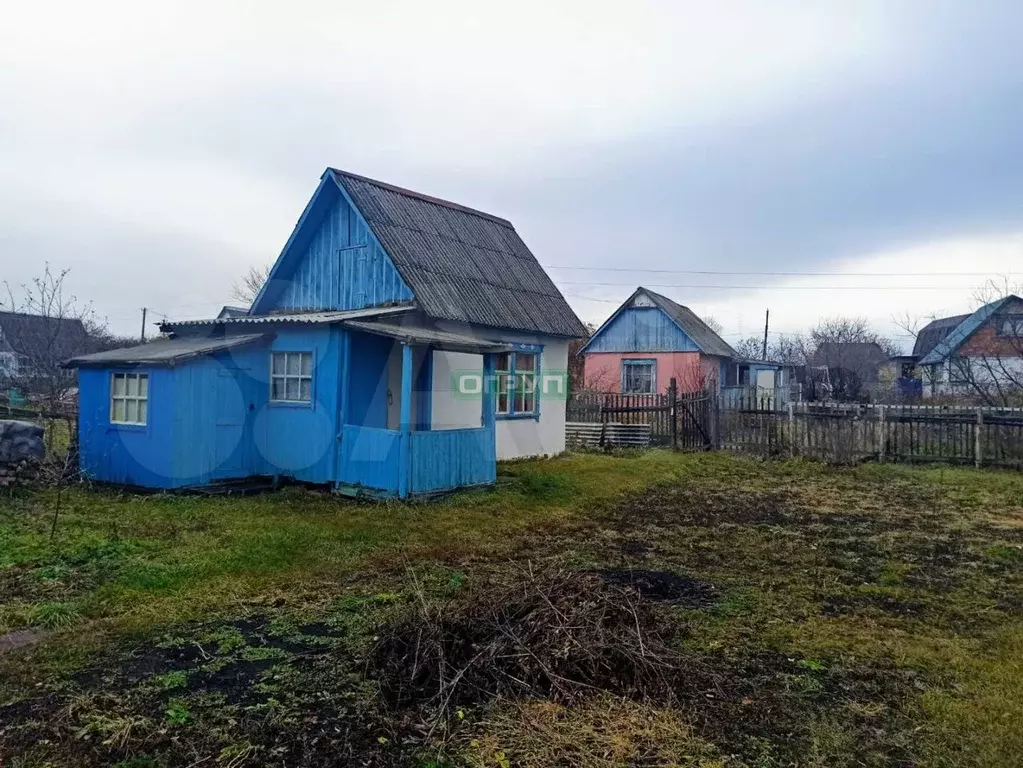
(401, 346)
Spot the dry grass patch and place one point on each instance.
(600, 732)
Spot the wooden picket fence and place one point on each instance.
(847, 433)
(841, 433)
(679, 420)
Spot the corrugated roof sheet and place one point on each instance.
(417, 334)
(934, 332)
(292, 317)
(702, 334)
(164, 351)
(461, 264)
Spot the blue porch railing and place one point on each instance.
(452, 458)
(439, 460)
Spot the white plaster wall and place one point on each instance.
(992, 372)
(519, 438)
(449, 409)
(516, 438)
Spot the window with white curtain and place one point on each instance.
(129, 398)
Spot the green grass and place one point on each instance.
(893, 592)
(155, 559)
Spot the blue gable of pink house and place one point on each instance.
(329, 376)
(642, 329)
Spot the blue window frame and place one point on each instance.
(639, 377)
(517, 375)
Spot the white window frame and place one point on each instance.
(139, 398)
(284, 377)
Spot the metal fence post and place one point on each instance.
(977, 443)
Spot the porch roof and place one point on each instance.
(299, 318)
(417, 334)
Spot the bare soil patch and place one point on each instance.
(665, 587)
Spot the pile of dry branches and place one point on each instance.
(556, 635)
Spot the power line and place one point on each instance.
(776, 287)
(782, 274)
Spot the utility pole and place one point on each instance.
(144, 325)
(767, 320)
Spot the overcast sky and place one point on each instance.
(157, 150)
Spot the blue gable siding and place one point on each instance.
(333, 261)
(642, 329)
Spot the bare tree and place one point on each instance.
(603, 380)
(713, 323)
(57, 326)
(750, 348)
(851, 352)
(787, 348)
(248, 287)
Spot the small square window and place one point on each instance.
(291, 377)
(639, 377)
(129, 398)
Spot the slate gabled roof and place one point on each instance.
(702, 334)
(41, 338)
(461, 264)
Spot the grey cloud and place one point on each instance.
(916, 154)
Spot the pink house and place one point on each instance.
(649, 340)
